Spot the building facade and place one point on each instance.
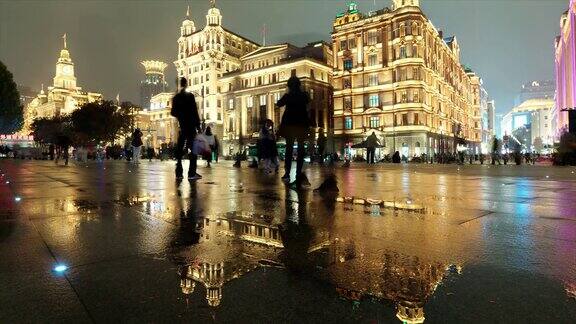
(530, 124)
(250, 94)
(481, 116)
(153, 83)
(537, 89)
(63, 97)
(396, 75)
(161, 127)
(204, 56)
(564, 115)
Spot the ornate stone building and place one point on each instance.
(63, 97)
(396, 75)
(204, 56)
(250, 94)
(157, 122)
(564, 113)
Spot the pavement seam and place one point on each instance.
(92, 320)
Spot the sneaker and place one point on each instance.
(195, 177)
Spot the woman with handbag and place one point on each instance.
(211, 139)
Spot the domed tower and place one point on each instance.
(153, 83)
(410, 312)
(397, 4)
(64, 77)
(213, 275)
(213, 18)
(188, 27)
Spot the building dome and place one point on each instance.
(214, 17)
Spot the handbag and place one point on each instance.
(201, 146)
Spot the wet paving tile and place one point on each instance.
(395, 243)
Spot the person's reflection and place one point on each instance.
(295, 233)
(190, 225)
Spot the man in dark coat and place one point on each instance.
(295, 126)
(371, 143)
(184, 108)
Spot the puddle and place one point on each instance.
(406, 204)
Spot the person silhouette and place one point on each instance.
(184, 108)
(371, 143)
(294, 126)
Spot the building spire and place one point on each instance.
(64, 38)
(188, 11)
(264, 30)
(213, 3)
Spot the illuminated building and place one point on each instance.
(61, 98)
(481, 115)
(157, 123)
(536, 90)
(204, 55)
(250, 94)
(533, 120)
(565, 62)
(153, 82)
(396, 75)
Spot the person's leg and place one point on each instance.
(193, 157)
(288, 155)
(65, 152)
(300, 157)
(179, 153)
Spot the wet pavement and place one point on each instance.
(408, 243)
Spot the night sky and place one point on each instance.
(508, 42)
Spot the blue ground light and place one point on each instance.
(60, 268)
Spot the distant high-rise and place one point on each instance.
(536, 90)
(153, 82)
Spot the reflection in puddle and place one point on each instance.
(233, 244)
(406, 204)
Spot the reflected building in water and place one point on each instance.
(234, 244)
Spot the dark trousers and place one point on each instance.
(370, 155)
(289, 153)
(185, 142)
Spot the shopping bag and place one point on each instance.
(200, 146)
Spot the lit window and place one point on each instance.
(373, 100)
(374, 121)
(402, 52)
(373, 80)
(250, 102)
(348, 64)
(263, 100)
(347, 122)
(230, 103)
(372, 59)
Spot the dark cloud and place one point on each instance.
(507, 42)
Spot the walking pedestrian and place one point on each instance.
(136, 145)
(150, 153)
(212, 142)
(267, 151)
(294, 127)
(185, 110)
(371, 143)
